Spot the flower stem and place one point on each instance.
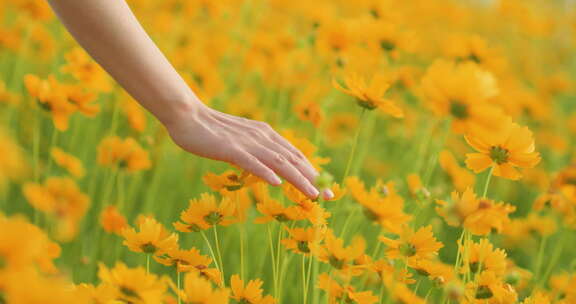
(219, 254)
(178, 284)
(354, 144)
(147, 263)
(488, 182)
(210, 249)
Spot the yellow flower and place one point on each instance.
(511, 146)
(490, 289)
(206, 212)
(301, 240)
(150, 238)
(341, 257)
(53, 98)
(480, 216)
(67, 161)
(198, 290)
(461, 178)
(132, 285)
(482, 256)
(413, 245)
(123, 153)
(344, 294)
(13, 164)
(190, 261)
(461, 91)
(369, 95)
(249, 294)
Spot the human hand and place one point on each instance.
(251, 145)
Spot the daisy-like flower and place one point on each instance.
(301, 240)
(381, 204)
(198, 290)
(480, 216)
(482, 256)
(206, 212)
(338, 293)
(272, 210)
(510, 147)
(190, 261)
(370, 95)
(150, 238)
(461, 91)
(489, 288)
(83, 68)
(413, 245)
(333, 252)
(229, 181)
(436, 271)
(52, 97)
(68, 161)
(249, 294)
(123, 153)
(13, 164)
(132, 285)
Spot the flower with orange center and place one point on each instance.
(123, 153)
(112, 220)
(249, 294)
(301, 240)
(370, 95)
(150, 238)
(511, 146)
(206, 212)
(413, 245)
(480, 216)
(68, 161)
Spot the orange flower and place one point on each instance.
(132, 285)
(205, 212)
(151, 237)
(86, 70)
(461, 178)
(274, 211)
(344, 294)
(482, 256)
(112, 220)
(333, 252)
(478, 215)
(52, 97)
(369, 95)
(123, 153)
(490, 289)
(381, 204)
(59, 197)
(198, 290)
(190, 261)
(461, 91)
(67, 161)
(13, 164)
(251, 294)
(302, 240)
(512, 146)
(413, 245)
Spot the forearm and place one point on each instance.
(112, 35)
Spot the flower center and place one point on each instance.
(387, 45)
(148, 248)
(337, 263)
(213, 218)
(281, 217)
(303, 246)
(459, 109)
(483, 292)
(129, 292)
(407, 249)
(499, 155)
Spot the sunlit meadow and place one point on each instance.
(445, 128)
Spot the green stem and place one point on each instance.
(178, 278)
(219, 254)
(147, 263)
(487, 182)
(354, 144)
(210, 249)
(272, 253)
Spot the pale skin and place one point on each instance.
(111, 34)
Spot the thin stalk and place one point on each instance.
(210, 249)
(272, 253)
(485, 192)
(354, 144)
(219, 254)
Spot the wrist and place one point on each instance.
(175, 110)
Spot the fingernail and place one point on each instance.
(276, 180)
(328, 194)
(313, 192)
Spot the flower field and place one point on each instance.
(445, 128)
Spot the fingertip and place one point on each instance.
(328, 194)
(274, 180)
(312, 192)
